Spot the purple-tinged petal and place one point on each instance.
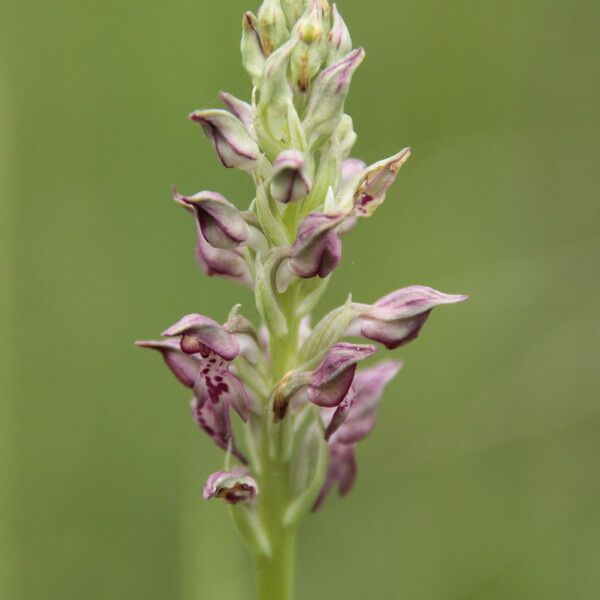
(291, 180)
(375, 182)
(397, 318)
(202, 335)
(368, 387)
(226, 263)
(339, 36)
(341, 413)
(317, 249)
(215, 421)
(332, 379)
(231, 139)
(393, 334)
(220, 222)
(233, 486)
(341, 471)
(217, 385)
(352, 167)
(242, 110)
(183, 366)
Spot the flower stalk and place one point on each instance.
(298, 394)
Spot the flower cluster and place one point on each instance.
(303, 404)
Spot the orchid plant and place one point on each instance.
(301, 401)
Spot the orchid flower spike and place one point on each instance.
(288, 403)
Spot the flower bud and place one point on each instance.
(310, 53)
(273, 26)
(253, 55)
(292, 10)
(397, 318)
(291, 180)
(339, 38)
(275, 93)
(233, 143)
(329, 91)
(233, 486)
(220, 222)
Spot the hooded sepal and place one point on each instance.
(397, 318)
(291, 179)
(231, 139)
(221, 223)
(318, 248)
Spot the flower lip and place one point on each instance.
(233, 486)
(202, 334)
(375, 181)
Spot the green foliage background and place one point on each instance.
(481, 479)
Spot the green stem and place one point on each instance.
(276, 573)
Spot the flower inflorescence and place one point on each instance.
(297, 390)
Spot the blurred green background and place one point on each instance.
(481, 481)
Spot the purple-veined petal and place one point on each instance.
(242, 110)
(375, 182)
(202, 334)
(318, 248)
(339, 36)
(291, 180)
(183, 366)
(226, 263)
(329, 91)
(368, 387)
(253, 54)
(220, 222)
(341, 471)
(233, 486)
(215, 421)
(341, 412)
(218, 385)
(231, 139)
(332, 379)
